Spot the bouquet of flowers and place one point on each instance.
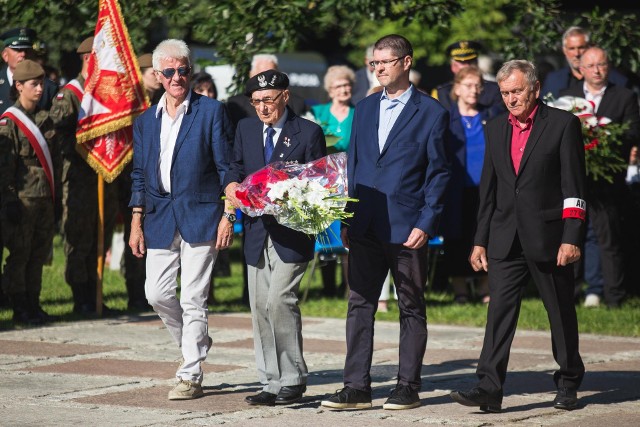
(305, 197)
(602, 138)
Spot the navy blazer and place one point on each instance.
(530, 204)
(402, 187)
(305, 143)
(558, 80)
(200, 160)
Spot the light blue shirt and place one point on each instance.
(390, 110)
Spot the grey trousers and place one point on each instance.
(277, 324)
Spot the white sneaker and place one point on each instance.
(592, 301)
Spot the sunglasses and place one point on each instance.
(169, 72)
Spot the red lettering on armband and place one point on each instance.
(574, 213)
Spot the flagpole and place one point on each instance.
(100, 254)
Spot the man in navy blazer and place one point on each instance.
(276, 256)
(180, 157)
(398, 171)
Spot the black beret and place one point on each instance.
(464, 50)
(19, 38)
(270, 79)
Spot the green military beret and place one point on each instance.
(28, 70)
(86, 46)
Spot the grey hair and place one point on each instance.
(525, 67)
(263, 57)
(171, 48)
(575, 31)
(337, 72)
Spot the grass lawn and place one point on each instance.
(56, 299)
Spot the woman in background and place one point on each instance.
(467, 119)
(203, 84)
(335, 118)
(30, 171)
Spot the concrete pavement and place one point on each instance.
(117, 372)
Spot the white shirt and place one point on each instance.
(277, 126)
(595, 98)
(390, 110)
(169, 129)
(9, 76)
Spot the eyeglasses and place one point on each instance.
(592, 66)
(169, 72)
(266, 101)
(344, 85)
(471, 86)
(386, 62)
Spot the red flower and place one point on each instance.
(591, 145)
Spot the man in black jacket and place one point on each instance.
(530, 224)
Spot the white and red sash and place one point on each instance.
(37, 141)
(75, 87)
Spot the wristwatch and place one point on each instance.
(231, 217)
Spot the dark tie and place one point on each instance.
(268, 144)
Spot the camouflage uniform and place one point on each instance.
(28, 235)
(80, 206)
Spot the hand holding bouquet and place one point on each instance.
(304, 197)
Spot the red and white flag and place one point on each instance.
(113, 96)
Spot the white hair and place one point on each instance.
(171, 48)
(263, 57)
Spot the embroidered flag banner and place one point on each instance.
(113, 96)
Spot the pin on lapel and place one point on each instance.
(281, 155)
(287, 141)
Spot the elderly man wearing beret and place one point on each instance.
(277, 256)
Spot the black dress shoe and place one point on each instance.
(566, 398)
(478, 397)
(46, 317)
(262, 399)
(290, 394)
(27, 318)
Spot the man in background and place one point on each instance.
(575, 42)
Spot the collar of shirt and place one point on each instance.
(9, 76)
(403, 99)
(593, 97)
(277, 126)
(528, 123)
(162, 104)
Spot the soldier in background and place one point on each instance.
(463, 54)
(30, 166)
(80, 195)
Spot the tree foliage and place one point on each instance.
(237, 29)
(617, 33)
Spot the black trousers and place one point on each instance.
(369, 262)
(507, 281)
(605, 220)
